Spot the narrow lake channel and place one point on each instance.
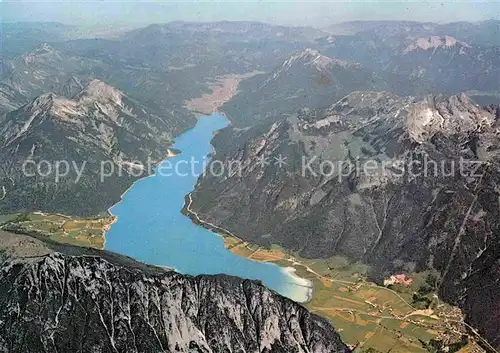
(151, 228)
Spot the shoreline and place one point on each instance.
(300, 282)
(289, 271)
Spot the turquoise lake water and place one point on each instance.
(151, 229)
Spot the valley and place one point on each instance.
(151, 228)
(222, 89)
(183, 258)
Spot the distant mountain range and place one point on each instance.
(404, 58)
(477, 33)
(420, 58)
(21, 37)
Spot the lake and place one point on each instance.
(151, 229)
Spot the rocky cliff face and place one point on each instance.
(87, 304)
(399, 184)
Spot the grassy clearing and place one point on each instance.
(70, 230)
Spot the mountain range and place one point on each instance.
(480, 33)
(421, 58)
(337, 65)
(371, 178)
(394, 94)
(305, 79)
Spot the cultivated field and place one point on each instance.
(368, 316)
(64, 229)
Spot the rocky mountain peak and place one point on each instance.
(97, 96)
(41, 53)
(50, 102)
(452, 115)
(312, 57)
(75, 111)
(437, 42)
(455, 115)
(101, 92)
(36, 109)
(47, 106)
(44, 101)
(309, 59)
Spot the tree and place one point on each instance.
(22, 217)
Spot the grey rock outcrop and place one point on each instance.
(60, 303)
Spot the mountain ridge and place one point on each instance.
(99, 126)
(392, 218)
(306, 78)
(203, 313)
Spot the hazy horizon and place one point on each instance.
(317, 14)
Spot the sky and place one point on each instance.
(313, 13)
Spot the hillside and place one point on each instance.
(305, 79)
(353, 180)
(100, 132)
